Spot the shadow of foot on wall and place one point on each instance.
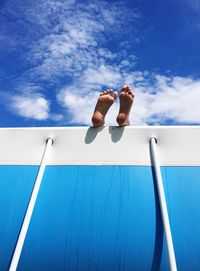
(92, 133)
(116, 133)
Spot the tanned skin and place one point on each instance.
(104, 102)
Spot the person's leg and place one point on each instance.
(105, 100)
(126, 98)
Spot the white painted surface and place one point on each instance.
(107, 146)
(163, 204)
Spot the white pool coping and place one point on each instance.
(177, 145)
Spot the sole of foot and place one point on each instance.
(126, 98)
(105, 100)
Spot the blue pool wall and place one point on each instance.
(100, 218)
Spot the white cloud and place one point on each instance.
(33, 107)
(102, 75)
(178, 99)
(75, 40)
(66, 41)
(79, 107)
(67, 47)
(168, 98)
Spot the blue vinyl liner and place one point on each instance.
(100, 218)
(16, 183)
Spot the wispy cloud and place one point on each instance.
(65, 43)
(68, 58)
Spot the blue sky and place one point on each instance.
(57, 55)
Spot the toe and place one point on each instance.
(130, 92)
(123, 89)
(115, 94)
(126, 89)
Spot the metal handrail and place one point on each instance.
(31, 205)
(163, 204)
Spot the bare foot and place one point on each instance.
(105, 100)
(126, 98)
